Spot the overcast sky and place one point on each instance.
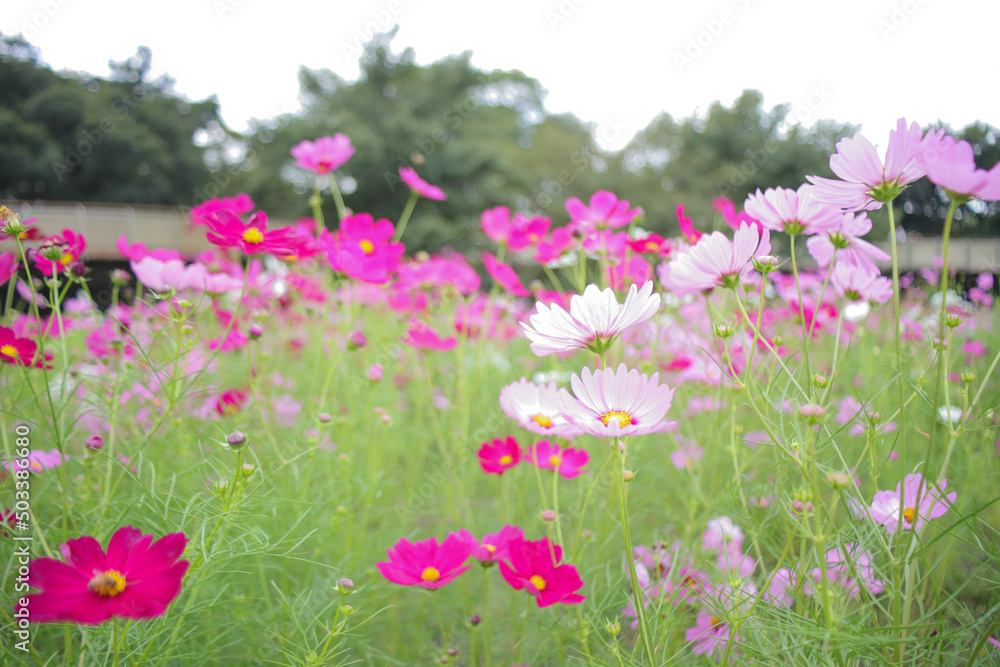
(614, 63)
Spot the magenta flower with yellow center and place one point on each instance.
(594, 320)
(617, 403)
(426, 563)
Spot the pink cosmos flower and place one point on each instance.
(499, 455)
(594, 319)
(846, 240)
(8, 266)
(37, 461)
(715, 261)
(921, 501)
(231, 401)
(617, 403)
(137, 578)
(324, 155)
(685, 457)
(651, 244)
(849, 567)
(494, 547)
(792, 211)
(727, 209)
(709, 634)
(426, 564)
(686, 225)
(557, 246)
(422, 337)
(164, 276)
(504, 275)
(856, 283)
(549, 456)
(199, 215)
(517, 233)
(536, 408)
(984, 281)
(632, 271)
(534, 566)
(438, 272)
(362, 248)
(951, 164)
(867, 182)
(17, 351)
(605, 211)
(137, 251)
(420, 186)
(228, 231)
(721, 533)
(72, 245)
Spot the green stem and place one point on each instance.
(802, 313)
(316, 202)
(405, 217)
(338, 199)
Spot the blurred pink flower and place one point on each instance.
(536, 408)
(951, 164)
(420, 186)
(857, 283)
(504, 275)
(422, 337)
(605, 210)
(324, 155)
(549, 456)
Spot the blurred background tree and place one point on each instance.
(484, 137)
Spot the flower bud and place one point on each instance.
(628, 475)
(811, 413)
(78, 269)
(374, 373)
(120, 277)
(549, 515)
(254, 331)
(839, 480)
(475, 620)
(765, 264)
(356, 340)
(968, 376)
(821, 381)
(613, 628)
(345, 585)
(95, 442)
(12, 225)
(723, 330)
(324, 417)
(952, 320)
(453, 652)
(236, 439)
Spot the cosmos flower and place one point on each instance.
(715, 261)
(199, 215)
(226, 230)
(324, 155)
(614, 403)
(68, 246)
(866, 182)
(38, 460)
(594, 319)
(846, 240)
(17, 351)
(536, 408)
(709, 634)
(951, 164)
(422, 337)
(567, 462)
(420, 186)
(516, 233)
(504, 275)
(500, 455)
(426, 563)
(858, 283)
(494, 547)
(791, 211)
(534, 566)
(137, 578)
(605, 211)
(921, 501)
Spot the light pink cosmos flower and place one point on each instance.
(867, 182)
(605, 211)
(922, 501)
(594, 320)
(857, 283)
(849, 567)
(536, 408)
(617, 403)
(567, 462)
(426, 563)
(685, 457)
(37, 461)
(709, 634)
(846, 240)
(420, 186)
(164, 276)
(324, 155)
(715, 261)
(720, 534)
(791, 211)
(951, 164)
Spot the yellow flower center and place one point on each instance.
(66, 259)
(716, 621)
(430, 574)
(6, 213)
(489, 547)
(623, 418)
(35, 465)
(538, 582)
(542, 420)
(506, 459)
(908, 514)
(253, 235)
(8, 350)
(367, 246)
(555, 460)
(652, 246)
(107, 584)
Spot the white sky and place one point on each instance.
(616, 63)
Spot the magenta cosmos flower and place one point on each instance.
(427, 563)
(534, 566)
(715, 261)
(137, 578)
(504, 275)
(549, 456)
(420, 186)
(362, 248)
(499, 455)
(494, 547)
(536, 408)
(594, 319)
(605, 211)
(921, 501)
(422, 337)
(709, 634)
(617, 403)
(515, 233)
(324, 155)
(867, 182)
(226, 230)
(791, 211)
(69, 242)
(951, 164)
(16, 350)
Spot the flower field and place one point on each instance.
(309, 446)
